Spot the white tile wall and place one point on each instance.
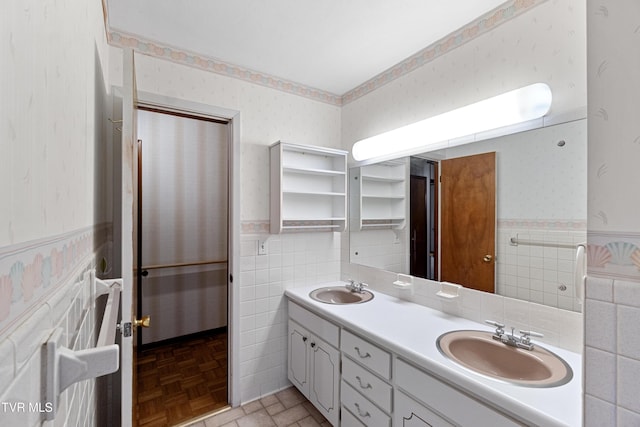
(384, 249)
(612, 352)
(540, 274)
(292, 260)
(22, 359)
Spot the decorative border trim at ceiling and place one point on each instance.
(476, 28)
(217, 66)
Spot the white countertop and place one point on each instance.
(410, 331)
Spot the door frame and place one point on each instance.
(169, 104)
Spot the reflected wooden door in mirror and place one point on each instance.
(468, 186)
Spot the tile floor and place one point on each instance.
(282, 409)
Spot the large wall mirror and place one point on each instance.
(524, 194)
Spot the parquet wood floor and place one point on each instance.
(182, 379)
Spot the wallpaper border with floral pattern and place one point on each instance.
(474, 29)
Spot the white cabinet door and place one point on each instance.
(325, 379)
(409, 413)
(298, 372)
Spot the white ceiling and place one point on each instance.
(333, 45)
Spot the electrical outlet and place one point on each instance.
(262, 247)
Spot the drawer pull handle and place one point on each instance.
(304, 339)
(362, 414)
(362, 356)
(363, 386)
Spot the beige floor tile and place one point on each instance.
(256, 419)
(314, 412)
(275, 408)
(284, 408)
(290, 397)
(224, 418)
(308, 422)
(252, 407)
(269, 400)
(290, 415)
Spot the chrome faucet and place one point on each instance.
(523, 341)
(356, 287)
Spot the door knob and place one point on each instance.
(487, 258)
(144, 273)
(145, 322)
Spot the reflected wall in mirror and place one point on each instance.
(541, 203)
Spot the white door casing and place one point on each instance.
(130, 99)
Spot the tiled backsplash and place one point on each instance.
(542, 274)
(561, 328)
(291, 260)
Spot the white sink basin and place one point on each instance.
(479, 352)
(340, 295)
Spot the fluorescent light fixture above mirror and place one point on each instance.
(520, 105)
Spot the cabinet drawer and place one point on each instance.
(369, 385)
(316, 324)
(367, 354)
(361, 408)
(408, 412)
(446, 399)
(347, 419)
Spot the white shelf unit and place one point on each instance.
(308, 188)
(383, 195)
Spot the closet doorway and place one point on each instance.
(182, 266)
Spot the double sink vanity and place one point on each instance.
(366, 358)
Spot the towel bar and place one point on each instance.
(65, 366)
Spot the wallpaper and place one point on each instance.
(612, 312)
(487, 22)
(614, 134)
(55, 193)
(53, 168)
(267, 116)
(545, 44)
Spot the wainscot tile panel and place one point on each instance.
(292, 260)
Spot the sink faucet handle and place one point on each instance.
(494, 323)
(363, 285)
(499, 326)
(528, 334)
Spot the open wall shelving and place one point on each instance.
(308, 188)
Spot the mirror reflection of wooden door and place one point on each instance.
(468, 221)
